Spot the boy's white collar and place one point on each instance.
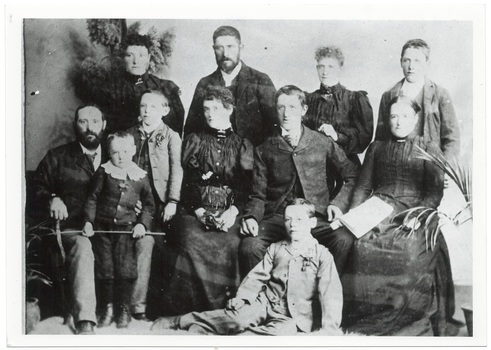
(133, 171)
(151, 128)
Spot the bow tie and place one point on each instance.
(326, 91)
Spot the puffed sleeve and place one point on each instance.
(356, 136)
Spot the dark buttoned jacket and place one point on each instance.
(113, 201)
(277, 165)
(64, 172)
(254, 114)
(439, 120)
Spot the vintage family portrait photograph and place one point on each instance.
(266, 170)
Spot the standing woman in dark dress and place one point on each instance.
(391, 286)
(217, 167)
(335, 111)
(344, 115)
(126, 88)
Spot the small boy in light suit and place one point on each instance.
(278, 296)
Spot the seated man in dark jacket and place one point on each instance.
(292, 164)
(61, 188)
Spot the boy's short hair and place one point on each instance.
(136, 40)
(89, 105)
(158, 93)
(330, 51)
(406, 100)
(291, 90)
(119, 135)
(226, 31)
(417, 44)
(309, 207)
(219, 93)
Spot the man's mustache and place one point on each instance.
(88, 133)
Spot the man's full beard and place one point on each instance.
(89, 139)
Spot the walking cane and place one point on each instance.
(58, 239)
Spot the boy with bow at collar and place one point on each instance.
(158, 152)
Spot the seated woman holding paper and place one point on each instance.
(389, 285)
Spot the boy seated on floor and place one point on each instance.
(278, 295)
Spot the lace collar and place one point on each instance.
(133, 171)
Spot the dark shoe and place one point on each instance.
(124, 318)
(140, 316)
(106, 317)
(171, 322)
(85, 328)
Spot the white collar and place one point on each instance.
(411, 90)
(305, 248)
(133, 171)
(149, 129)
(233, 74)
(91, 152)
(285, 132)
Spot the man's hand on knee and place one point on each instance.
(57, 209)
(249, 227)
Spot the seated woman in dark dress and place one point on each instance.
(217, 167)
(390, 286)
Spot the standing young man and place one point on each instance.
(253, 91)
(436, 120)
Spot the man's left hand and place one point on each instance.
(333, 213)
(328, 130)
(169, 211)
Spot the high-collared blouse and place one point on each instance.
(349, 112)
(393, 173)
(216, 158)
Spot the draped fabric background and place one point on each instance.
(284, 49)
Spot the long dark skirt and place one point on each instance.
(392, 285)
(206, 272)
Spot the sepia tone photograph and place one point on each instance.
(284, 176)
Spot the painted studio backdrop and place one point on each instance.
(283, 49)
(56, 51)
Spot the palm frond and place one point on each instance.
(459, 171)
